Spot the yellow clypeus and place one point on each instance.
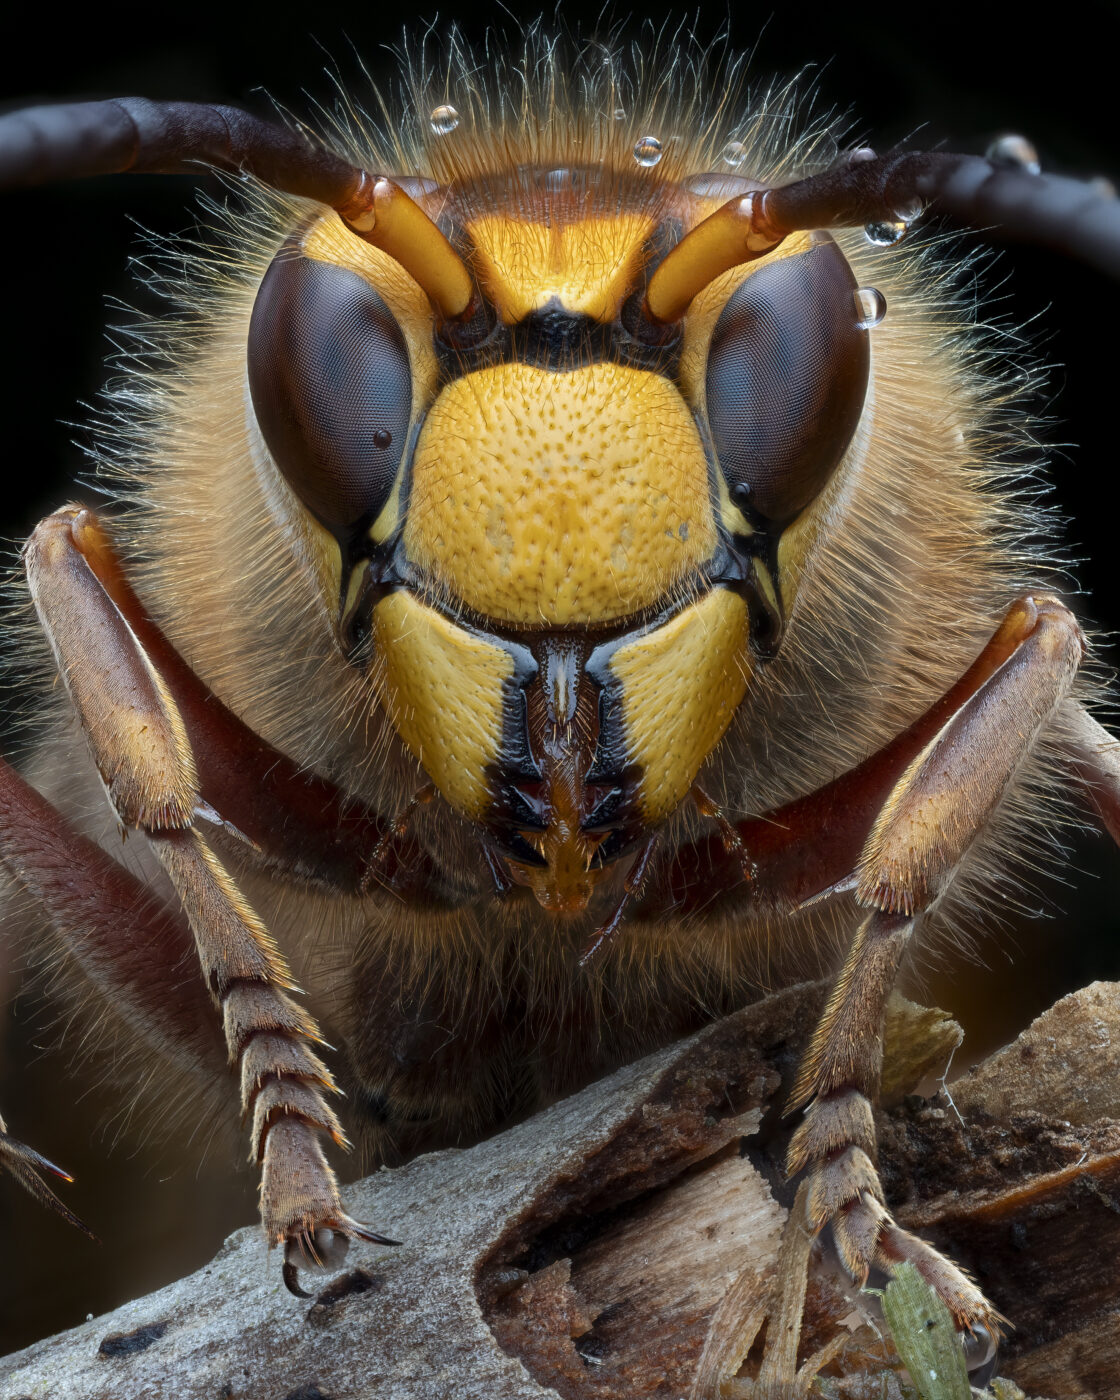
(552, 498)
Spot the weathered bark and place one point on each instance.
(617, 1244)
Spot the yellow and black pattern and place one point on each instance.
(561, 494)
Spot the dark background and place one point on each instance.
(944, 75)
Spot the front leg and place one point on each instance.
(269, 1036)
(141, 748)
(925, 828)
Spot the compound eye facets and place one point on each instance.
(331, 387)
(787, 377)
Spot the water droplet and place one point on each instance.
(734, 154)
(871, 307)
(1014, 153)
(647, 150)
(860, 155)
(884, 233)
(619, 114)
(908, 210)
(444, 119)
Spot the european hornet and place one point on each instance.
(562, 561)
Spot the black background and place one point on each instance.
(936, 74)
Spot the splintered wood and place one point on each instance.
(632, 1242)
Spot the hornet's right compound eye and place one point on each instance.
(331, 387)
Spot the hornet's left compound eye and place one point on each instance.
(787, 378)
(331, 388)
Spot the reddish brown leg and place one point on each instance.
(894, 831)
(139, 955)
(812, 845)
(940, 804)
(141, 748)
(299, 824)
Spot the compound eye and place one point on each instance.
(331, 388)
(787, 377)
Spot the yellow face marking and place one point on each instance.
(353, 587)
(731, 517)
(797, 540)
(680, 687)
(542, 498)
(387, 522)
(589, 265)
(442, 688)
(765, 583)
